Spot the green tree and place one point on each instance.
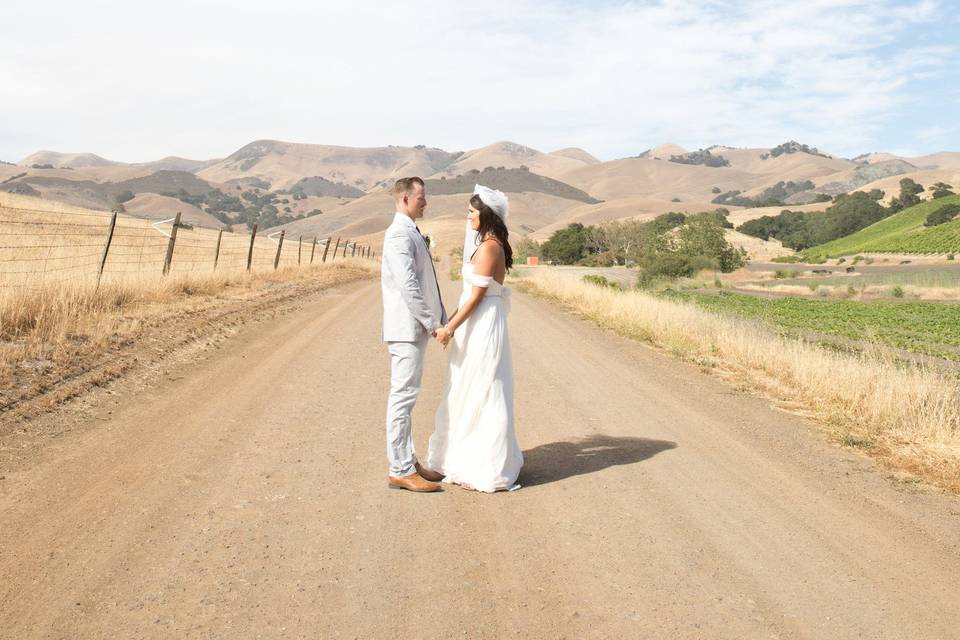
(526, 248)
(567, 246)
(946, 213)
(942, 190)
(909, 190)
(124, 196)
(703, 237)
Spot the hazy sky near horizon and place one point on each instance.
(135, 81)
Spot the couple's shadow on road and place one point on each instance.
(560, 460)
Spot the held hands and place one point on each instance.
(443, 336)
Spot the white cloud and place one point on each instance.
(137, 80)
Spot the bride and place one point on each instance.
(474, 443)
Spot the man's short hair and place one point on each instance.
(404, 186)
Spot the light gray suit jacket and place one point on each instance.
(411, 296)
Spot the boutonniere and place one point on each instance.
(428, 240)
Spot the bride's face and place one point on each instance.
(474, 217)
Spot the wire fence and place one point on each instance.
(39, 248)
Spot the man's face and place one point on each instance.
(416, 201)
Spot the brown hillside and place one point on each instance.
(151, 206)
(58, 159)
(508, 181)
(511, 155)
(373, 213)
(284, 163)
(575, 153)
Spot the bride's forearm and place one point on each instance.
(462, 313)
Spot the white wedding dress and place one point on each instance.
(474, 442)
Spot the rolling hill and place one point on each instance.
(342, 189)
(508, 181)
(510, 155)
(902, 232)
(283, 164)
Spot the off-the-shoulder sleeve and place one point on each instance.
(480, 281)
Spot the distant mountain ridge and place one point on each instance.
(332, 189)
(509, 181)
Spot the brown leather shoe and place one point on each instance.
(428, 474)
(413, 482)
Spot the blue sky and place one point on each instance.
(136, 81)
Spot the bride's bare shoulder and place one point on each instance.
(491, 246)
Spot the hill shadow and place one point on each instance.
(560, 460)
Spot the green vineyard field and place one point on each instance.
(900, 233)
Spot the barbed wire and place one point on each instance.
(68, 246)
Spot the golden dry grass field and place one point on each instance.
(906, 415)
(57, 322)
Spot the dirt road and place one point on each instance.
(245, 497)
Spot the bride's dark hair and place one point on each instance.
(492, 224)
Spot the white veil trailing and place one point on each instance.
(498, 203)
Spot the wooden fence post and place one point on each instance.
(253, 236)
(335, 249)
(354, 252)
(276, 261)
(314, 249)
(345, 246)
(216, 252)
(299, 250)
(326, 248)
(106, 246)
(173, 241)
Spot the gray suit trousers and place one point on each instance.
(406, 371)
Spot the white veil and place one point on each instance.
(498, 203)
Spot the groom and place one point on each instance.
(412, 313)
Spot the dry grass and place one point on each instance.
(62, 332)
(906, 415)
(42, 327)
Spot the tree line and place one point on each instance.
(671, 245)
(849, 213)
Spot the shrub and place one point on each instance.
(601, 281)
(672, 264)
(703, 156)
(792, 146)
(949, 256)
(897, 291)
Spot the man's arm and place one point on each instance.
(398, 259)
